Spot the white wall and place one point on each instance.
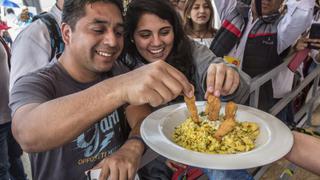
(46, 4)
(217, 22)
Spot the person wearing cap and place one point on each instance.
(258, 36)
(31, 49)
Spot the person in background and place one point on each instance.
(31, 50)
(154, 33)
(198, 21)
(4, 33)
(181, 6)
(309, 63)
(73, 115)
(10, 152)
(256, 39)
(304, 41)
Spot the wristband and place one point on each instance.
(139, 138)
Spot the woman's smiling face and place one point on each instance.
(153, 37)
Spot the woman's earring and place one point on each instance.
(132, 40)
(189, 17)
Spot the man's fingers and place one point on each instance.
(175, 86)
(131, 173)
(123, 175)
(105, 172)
(166, 93)
(153, 98)
(186, 86)
(114, 172)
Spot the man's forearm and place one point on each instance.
(135, 116)
(40, 127)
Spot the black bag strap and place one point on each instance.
(6, 47)
(53, 27)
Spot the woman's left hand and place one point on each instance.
(221, 80)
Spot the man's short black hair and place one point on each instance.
(73, 10)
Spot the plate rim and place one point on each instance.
(226, 157)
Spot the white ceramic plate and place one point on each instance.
(274, 141)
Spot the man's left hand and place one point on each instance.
(122, 164)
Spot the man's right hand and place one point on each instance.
(155, 84)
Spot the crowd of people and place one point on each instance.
(82, 77)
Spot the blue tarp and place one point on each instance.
(8, 3)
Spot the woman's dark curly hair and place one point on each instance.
(180, 56)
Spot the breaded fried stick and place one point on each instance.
(191, 105)
(230, 110)
(213, 108)
(227, 126)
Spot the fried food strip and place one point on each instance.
(230, 110)
(213, 108)
(191, 105)
(227, 126)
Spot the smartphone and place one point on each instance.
(314, 34)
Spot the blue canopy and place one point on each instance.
(8, 3)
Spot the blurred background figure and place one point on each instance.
(257, 38)
(174, 3)
(312, 58)
(178, 6)
(11, 18)
(25, 18)
(10, 152)
(38, 43)
(198, 21)
(4, 33)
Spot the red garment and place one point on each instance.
(298, 58)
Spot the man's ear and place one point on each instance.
(66, 32)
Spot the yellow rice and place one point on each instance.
(200, 137)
